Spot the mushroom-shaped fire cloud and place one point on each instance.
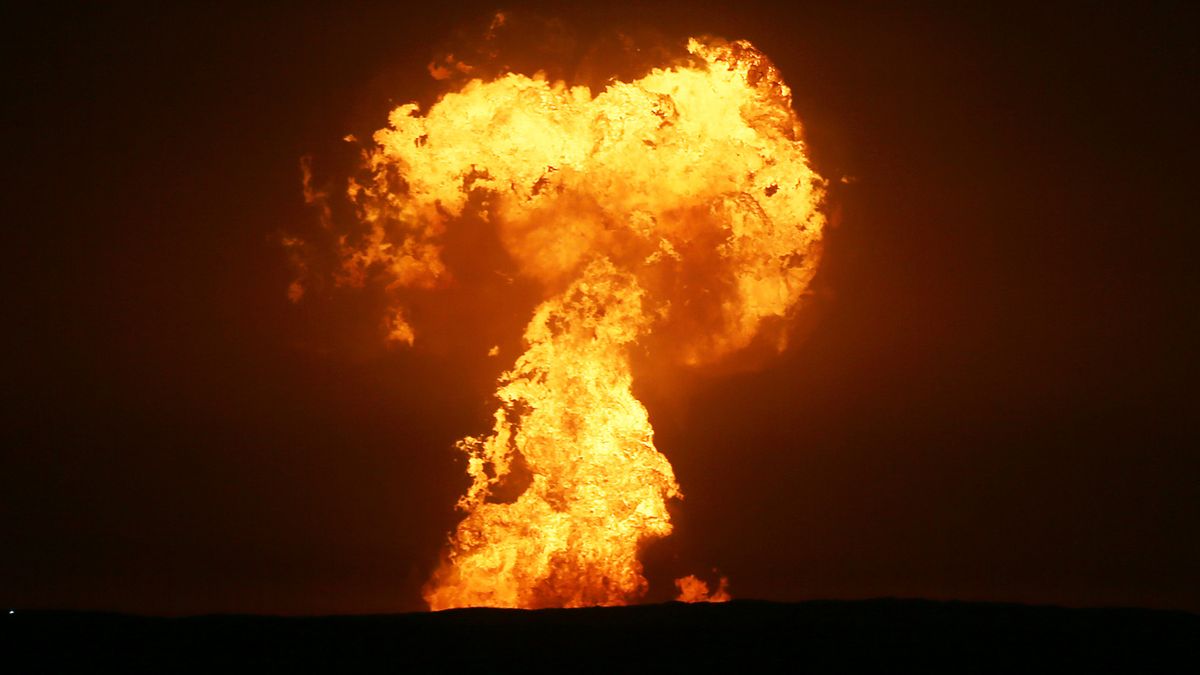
(675, 213)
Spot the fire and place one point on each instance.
(692, 589)
(674, 215)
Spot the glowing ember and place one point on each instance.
(676, 213)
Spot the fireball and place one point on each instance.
(674, 215)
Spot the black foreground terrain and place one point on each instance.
(740, 636)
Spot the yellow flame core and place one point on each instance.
(598, 485)
(680, 205)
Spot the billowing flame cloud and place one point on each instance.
(675, 213)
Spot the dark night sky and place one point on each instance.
(995, 397)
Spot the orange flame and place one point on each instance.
(692, 589)
(676, 212)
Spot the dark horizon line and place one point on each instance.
(735, 602)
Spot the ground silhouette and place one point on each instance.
(741, 636)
